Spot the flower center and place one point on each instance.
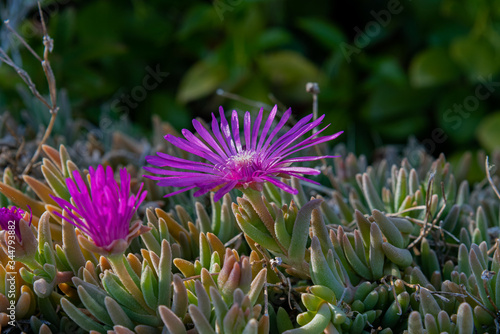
(243, 159)
(241, 166)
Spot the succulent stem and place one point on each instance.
(116, 261)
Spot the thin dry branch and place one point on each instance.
(244, 100)
(24, 76)
(48, 43)
(428, 199)
(490, 180)
(26, 45)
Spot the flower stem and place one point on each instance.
(255, 197)
(116, 261)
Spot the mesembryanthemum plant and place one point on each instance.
(244, 164)
(236, 163)
(104, 214)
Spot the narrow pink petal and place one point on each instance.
(175, 172)
(185, 181)
(226, 132)
(311, 158)
(224, 190)
(187, 146)
(179, 191)
(281, 123)
(172, 158)
(157, 161)
(235, 125)
(299, 170)
(300, 177)
(267, 126)
(256, 128)
(190, 137)
(208, 187)
(281, 185)
(218, 136)
(203, 132)
(247, 129)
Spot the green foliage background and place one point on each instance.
(420, 62)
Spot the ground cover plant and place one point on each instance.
(254, 221)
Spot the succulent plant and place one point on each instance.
(373, 248)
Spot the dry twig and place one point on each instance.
(52, 105)
(490, 180)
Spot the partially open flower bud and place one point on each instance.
(17, 239)
(104, 213)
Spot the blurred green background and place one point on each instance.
(387, 70)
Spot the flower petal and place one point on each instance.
(256, 128)
(281, 185)
(267, 126)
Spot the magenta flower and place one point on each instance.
(104, 213)
(10, 218)
(232, 163)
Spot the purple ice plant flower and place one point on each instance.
(17, 239)
(10, 218)
(103, 213)
(235, 160)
